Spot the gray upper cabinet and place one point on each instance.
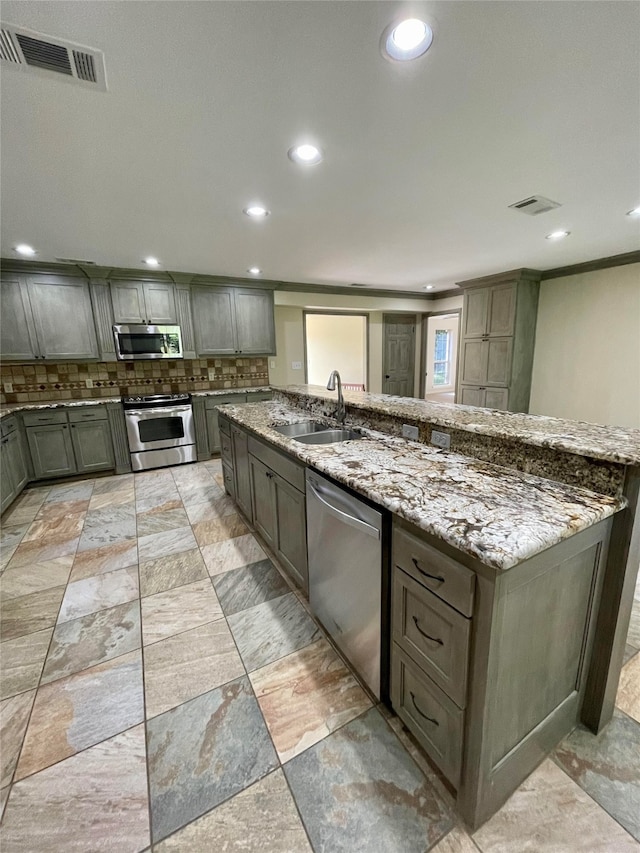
(254, 321)
(63, 317)
(144, 302)
(233, 320)
(496, 350)
(47, 316)
(17, 332)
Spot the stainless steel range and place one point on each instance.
(160, 430)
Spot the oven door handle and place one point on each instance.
(175, 410)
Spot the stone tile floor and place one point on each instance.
(164, 688)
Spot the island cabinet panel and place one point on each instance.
(291, 529)
(263, 509)
(63, 318)
(211, 414)
(17, 332)
(241, 470)
(13, 463)
(508, 678)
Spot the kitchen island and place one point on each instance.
(541, 540)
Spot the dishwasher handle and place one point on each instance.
(369, 529)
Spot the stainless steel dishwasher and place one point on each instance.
(345, 573)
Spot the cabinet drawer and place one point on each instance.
(40, 418)
(449, 580)
(289, 470)
(97, 413)
(229, 484)
(428, 713)
(435, 635)
(8, 425)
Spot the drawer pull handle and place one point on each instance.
(426, 574)
(422, 714)
(433, 639)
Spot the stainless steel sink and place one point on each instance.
(302, 428)
(328, 436)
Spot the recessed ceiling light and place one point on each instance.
(256, 211)
(305, 155)
(634, 212)
(407, 40)
(428, 287)
(254, 270)
(152, 262)
(558, 235)
(24, 249)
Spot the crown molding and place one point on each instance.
(591, 266)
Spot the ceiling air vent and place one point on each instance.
(77, 261)
(26, 50)
(534, 205)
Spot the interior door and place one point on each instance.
(399, 354)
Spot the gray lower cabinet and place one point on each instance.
(69, 442)
(92, 446)
(291, 529)
(489, 398)
(489, 668)
(51, 450)
(13, 465)
(262, 493)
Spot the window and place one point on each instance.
(442, 357)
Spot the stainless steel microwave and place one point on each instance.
(141, 341)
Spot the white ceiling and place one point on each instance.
(422, 159)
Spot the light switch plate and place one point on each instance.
(88, 383)
(441, 439)
(296, 365)
(409, 431)
(272, 364)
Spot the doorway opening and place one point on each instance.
(440, 336)
(336, 342)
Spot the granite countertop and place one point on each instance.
(98, 401)
(498, 515)
(613, 444)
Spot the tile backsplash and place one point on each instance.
(78, 380)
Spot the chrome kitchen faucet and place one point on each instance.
(331, 386)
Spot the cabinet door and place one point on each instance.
(502, 309)
(254, 321)
(497, 398)
(262, 497)
(213, 429)
(474, 357)
(7, 488)
(16, 463)
(17, 332)
(92, 446)
(51, 451)
(476, 303)
(498, 370)
(128, 302)
(291, 529)
(470, 396)
(241, 471)
(214, 321)
(63, 318)
(160, 302)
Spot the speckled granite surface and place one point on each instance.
(498, 515)
(101, 401)
(612, 444)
